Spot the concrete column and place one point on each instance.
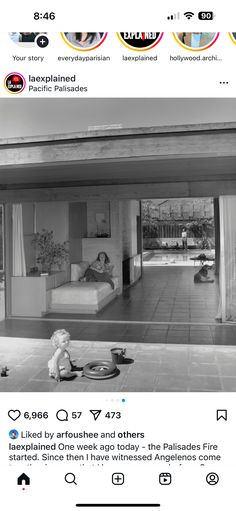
(141, 234)
(8, 256)
(217, 235)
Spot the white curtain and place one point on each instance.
(228, 258)
(19, 267)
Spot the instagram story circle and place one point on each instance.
(196, 41)
(140, 41)
(29, 39)
(84, 41)
(232, 36)
(14, 83)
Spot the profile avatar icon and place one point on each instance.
(26, 39)
(212, 478)
(84, 41)
(14, 83)
(232, 36)
(196, 41)
(13, 434)
(140, 41)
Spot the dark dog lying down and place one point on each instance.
(201, 277)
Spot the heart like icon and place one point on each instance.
(14, 414)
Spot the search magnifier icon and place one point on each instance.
(70, 478)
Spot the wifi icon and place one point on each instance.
(189, 15)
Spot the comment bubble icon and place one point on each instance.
(62, 415)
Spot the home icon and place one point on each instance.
(23, 479)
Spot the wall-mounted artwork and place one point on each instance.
(103, 229)
(98, 218)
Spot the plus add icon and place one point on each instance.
(118, 478)
(42, 41)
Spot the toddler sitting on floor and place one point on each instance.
(60, 365)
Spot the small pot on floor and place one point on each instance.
(118, 355)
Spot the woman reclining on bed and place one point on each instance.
(100, 270)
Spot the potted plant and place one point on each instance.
(49, 253)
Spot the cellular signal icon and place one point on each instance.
(175, 16)
(189, 15)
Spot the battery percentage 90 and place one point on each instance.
(205, 15)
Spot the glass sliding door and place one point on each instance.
(227, 305)
(2, 265)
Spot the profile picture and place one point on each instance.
(14, 83)
(140, 41)
(233, 36)
(84, 41)
(196, 41)
(13, 434)
(28, 39)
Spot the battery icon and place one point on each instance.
(205, 15)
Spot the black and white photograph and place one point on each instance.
(118, 245)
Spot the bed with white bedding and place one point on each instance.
(82, 297)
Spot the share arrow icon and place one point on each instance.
(95, 413)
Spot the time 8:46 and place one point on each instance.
(44, 16)
(113, 415)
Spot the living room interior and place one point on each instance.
(86, 228)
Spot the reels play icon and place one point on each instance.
(14, 83)
(165, 478)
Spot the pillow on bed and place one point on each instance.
(78, 270)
